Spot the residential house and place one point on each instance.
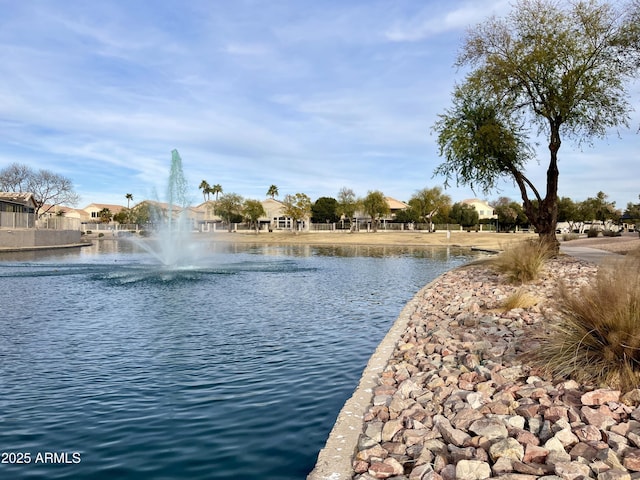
(94, 210)
(395, 206)
(62, 217)
(485, 211)
(204, 215)
(274, 218)
(17, 210)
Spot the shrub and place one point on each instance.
(519, 299)
(593, 232)
(523, 261)
(569, 236)
(596, 339)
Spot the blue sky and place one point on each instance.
(311, 96)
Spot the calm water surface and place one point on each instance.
(233, 368)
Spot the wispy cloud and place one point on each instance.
(308, 96)
(432, 20)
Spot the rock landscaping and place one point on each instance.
(457, 399)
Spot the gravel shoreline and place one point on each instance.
(456, 401)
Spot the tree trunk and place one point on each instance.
(549, 206)
(544, 214)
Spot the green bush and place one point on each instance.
(523, 261)
(593, 232)
(597, 339)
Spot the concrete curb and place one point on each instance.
(334, 460)
(43, 247)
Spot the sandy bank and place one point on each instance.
(482, 240)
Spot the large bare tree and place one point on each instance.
(49, 189)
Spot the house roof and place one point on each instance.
(99, 206)
(21, 198)
(396, 204)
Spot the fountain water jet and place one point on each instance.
(172, 243)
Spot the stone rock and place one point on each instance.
(554, 445)
(583, 450)
(588, 433)
(456, 454)
(600, 397)
(421, 472)
(472, 470)
(614, 475)
(566, 437)
(491, 429)
(537, 469)
(409, 388)
(501, 466)
(508, 447)
(376, 452)
(450, 434)
(557, 456)
(386, 469)
(555, 413)
(535, 454)
(448, 472)
(390, 429)
(524, 437)
(398, 405)
(395, 448)
(631, 460)
(373, 430)
(597, 418)
(466, 417)
(360, 466)
(634, 438)
(572, 470)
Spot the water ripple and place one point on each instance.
(235, 368)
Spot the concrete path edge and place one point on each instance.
(335, 459)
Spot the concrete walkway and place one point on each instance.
(593, 255)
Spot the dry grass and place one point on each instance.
(597, 339)
(519, 299)
(566, 237)
(523, 262)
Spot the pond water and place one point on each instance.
(113, 366)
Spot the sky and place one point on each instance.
(308, 95)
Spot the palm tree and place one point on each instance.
(216, 189)
(206, 189)
(273, 191)
(129, 197)
(105, 215)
